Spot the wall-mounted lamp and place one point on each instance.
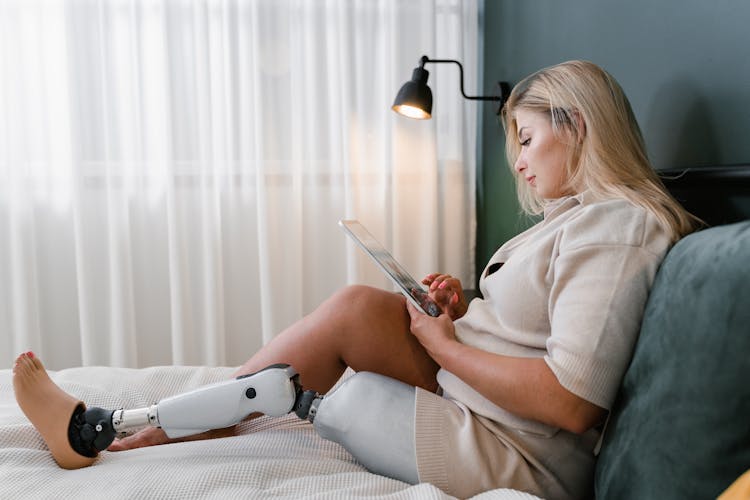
(414, 100)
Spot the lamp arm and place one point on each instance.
(424, 59)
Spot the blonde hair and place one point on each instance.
(590, 113)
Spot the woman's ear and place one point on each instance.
(580, 125)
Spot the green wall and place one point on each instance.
(684, 64)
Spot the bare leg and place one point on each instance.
(48, 407)
(361, 327)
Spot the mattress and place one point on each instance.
(268, 458)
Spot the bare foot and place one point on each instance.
(49, 408)
(152, 436)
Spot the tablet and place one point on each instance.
(411, 289)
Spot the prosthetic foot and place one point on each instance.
(49, 408)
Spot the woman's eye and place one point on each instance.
(526, 142)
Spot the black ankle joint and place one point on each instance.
(90, 430)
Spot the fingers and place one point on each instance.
(427, 280)
(414, 313)
(444, 289)
(435, 279)
(447, 292)
(410, 308)
(438, 281)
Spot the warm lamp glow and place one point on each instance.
(411, 112)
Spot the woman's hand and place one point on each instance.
(525, 386)
(435, 334)
(447, 292)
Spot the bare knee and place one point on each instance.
(361, 293)
(369, 328)
(359, 301)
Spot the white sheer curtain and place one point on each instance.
(172, 171)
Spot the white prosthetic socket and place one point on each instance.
(372, 417)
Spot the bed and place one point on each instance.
(280, 458)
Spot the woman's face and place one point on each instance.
(542, 158)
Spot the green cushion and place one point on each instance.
(680, 428)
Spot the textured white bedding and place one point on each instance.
(279, 458)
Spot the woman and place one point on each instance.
(525, 375)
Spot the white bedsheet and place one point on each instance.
(279, 458)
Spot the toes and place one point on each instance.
(20, 364)
(36, 361)
(27, 362)
(24, 358)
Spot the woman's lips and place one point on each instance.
(531, 180)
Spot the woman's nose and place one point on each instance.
(520, 165)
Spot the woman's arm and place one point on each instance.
(526, 387)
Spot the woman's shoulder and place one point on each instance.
(614, 222)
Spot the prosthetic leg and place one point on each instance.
(273, 391)
(370, 415)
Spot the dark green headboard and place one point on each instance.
(718, 195)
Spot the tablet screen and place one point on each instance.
(402, 279)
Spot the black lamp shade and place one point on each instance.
(414, 100)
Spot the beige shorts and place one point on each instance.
(465, 454)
